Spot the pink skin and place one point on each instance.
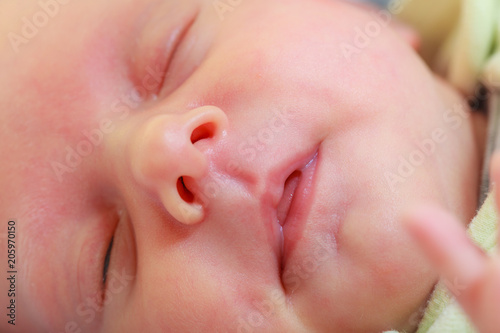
(246, 101)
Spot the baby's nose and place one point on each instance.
(163, 153)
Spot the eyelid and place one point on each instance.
(174, 44)
(107, 259)
(123, 257)
(177, 44)
(156, 44)
(107, 263)
(95, 235)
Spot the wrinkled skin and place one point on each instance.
(96, 137)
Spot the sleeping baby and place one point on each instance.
(231, 166)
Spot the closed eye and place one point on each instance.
(170, 82)
(106, 262)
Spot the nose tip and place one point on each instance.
(163, 152)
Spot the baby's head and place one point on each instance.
(186, 132)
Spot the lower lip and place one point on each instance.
(296, 219)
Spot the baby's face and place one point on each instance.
(189, 132)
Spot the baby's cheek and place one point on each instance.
(178, 293)
(400, 279)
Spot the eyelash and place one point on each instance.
(106, 262)
(175, 51)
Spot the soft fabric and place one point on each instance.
(469, 51)
(434, 21)
(471, 44)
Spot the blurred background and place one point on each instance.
(433, 20)
(378, 2)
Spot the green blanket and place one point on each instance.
(469, 51)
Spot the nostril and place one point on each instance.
(204, 131)
(184, 192)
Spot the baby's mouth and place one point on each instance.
(293, 207)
